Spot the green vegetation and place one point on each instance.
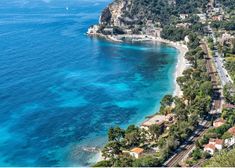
(223, 159)
(220, 133)
(229, 93)
(174, 34)
(229, 5)
(160, 141)
(195, 104)
(163, 11)
(230, 66)
(226, 25)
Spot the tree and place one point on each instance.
(167, 100)
(132, 139)
(155, 131)
(227, 135)
(147, 161)
(229, 93)
(123, 161)
(131, 128)
(206, 88)
(103, 163)
(111, 150)
(224, 159)
(197, 154)
(115, 134)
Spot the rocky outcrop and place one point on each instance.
(141, 16)
(116, 14)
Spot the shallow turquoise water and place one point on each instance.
(61, 91)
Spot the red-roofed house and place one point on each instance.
(209, 148)
(230, 141)
(217, 17)
(136, 152)
(213, 145)
(217, 142)
(219, 122)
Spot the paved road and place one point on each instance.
(219, 63)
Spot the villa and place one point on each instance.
(209, 148)
(157, 120)
(213, 145)
(217, 142)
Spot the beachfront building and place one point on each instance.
(219, 122)
(231, 140)
(158, 120)
(136, 152)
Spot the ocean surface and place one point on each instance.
(60, 90)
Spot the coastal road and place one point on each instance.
(219, 62)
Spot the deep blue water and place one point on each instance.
(60, 91)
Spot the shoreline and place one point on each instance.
(181, 64)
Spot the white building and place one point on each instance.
(136, 152)
(93, 29)
(230, 141)
(209, 148)
(213, 145)
(217, 142)
(202, 17)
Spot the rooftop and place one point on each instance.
(232, 130)
(137, 150)
(209, 146)
(157, 119)
(216, 141)
(219, 120)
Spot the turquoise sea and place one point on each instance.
(60, 90)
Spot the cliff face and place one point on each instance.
(126, 13)
(115, 13)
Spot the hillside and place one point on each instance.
(225, 159)
(129, 12)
